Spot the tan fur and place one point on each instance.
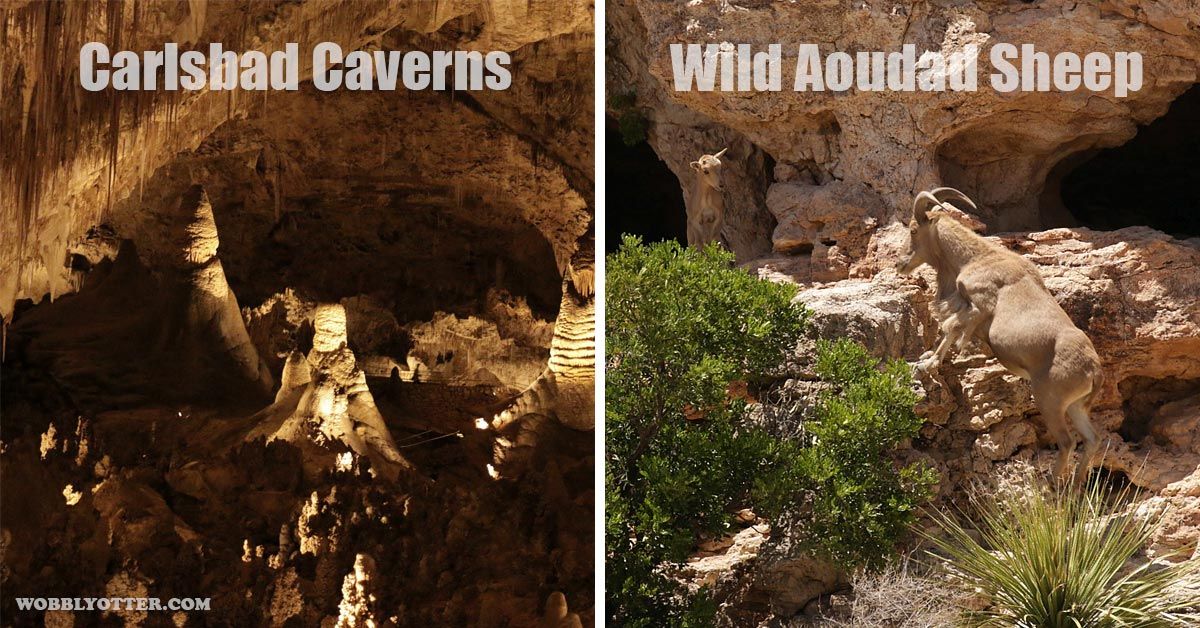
(706, 212)
(989, 293)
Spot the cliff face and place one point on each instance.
(819, 188)
(253, 331)
(999, 148)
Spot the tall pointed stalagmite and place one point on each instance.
(567, 387)
(212, 326)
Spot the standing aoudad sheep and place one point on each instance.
(706, 212)
(990, 293)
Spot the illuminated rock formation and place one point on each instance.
(557, 614)
(566, 389)
(358, 605)
(209, 314)
(324, 399)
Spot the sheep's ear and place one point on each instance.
(696, 166)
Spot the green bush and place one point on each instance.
(857, 504)
(682, 324)
(630, 120)
(1057, 559)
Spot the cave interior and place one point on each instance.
(152, 417)
(646, 196)
(1151, 180)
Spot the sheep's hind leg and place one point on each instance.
(1055, 420)
(971, 319)
(1091, 442)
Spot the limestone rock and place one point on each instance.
(791, 583)
(211, 312)
(456, 350)
(557, 613)
(754, 570)
(330, 403)
(889, 317)
(358, 605)
(1003, 441)
(993, 395)
(832, 223)
(707, 568)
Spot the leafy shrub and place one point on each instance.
(1055, 559)
(630, 120)
(682, 325)
(857, 503)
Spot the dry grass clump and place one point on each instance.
(902, 595)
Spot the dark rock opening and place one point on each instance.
(1150, 180)
(1144, 401)
(642, 192)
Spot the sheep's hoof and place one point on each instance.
(927, 365)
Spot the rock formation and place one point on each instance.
(364, 234)
(211, 318)
(567, 386)
(324, 399)
(557, 614)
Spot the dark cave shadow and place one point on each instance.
(120, 343)
(1152, 180)
(643, 196)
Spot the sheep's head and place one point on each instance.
(708, 167)
(922, 230)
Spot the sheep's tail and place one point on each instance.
(1097, 382)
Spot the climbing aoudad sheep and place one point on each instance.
(987, 292)
(706, 212)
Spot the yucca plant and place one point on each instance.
(1058, 558)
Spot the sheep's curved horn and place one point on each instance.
(947, 194)
(718, 155)
(934, 198)
(921, 206)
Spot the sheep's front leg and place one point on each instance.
(952, 331)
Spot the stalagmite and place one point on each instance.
(557, 613)
(324, 399)
(566, 389)
(295, 375)
(357, 607)
(212, 321)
